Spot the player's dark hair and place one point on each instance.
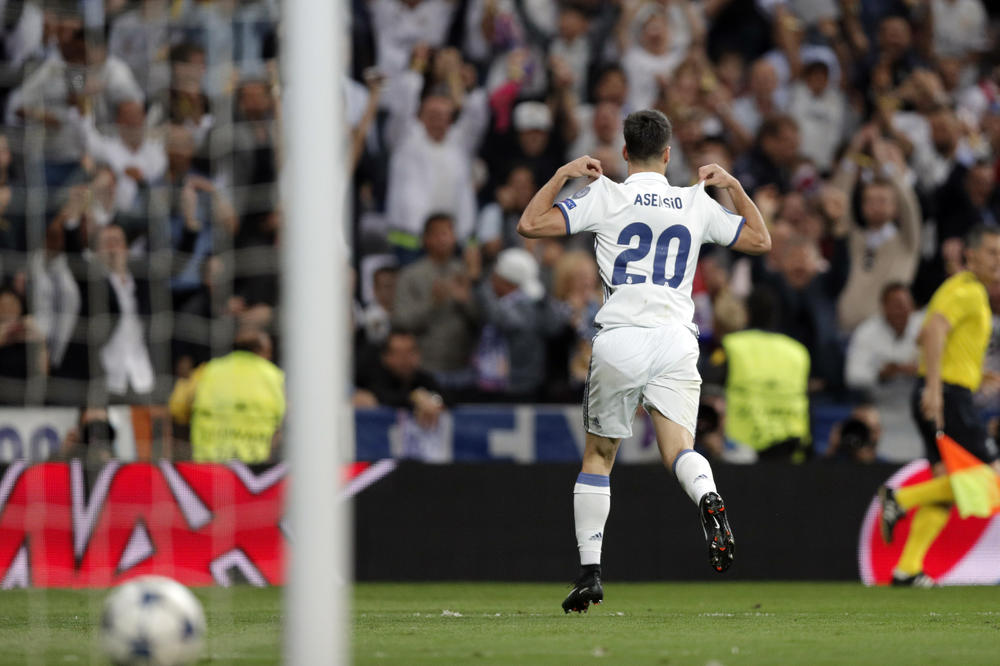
(647, 134)
(974, 237)
(762, 309)
(891, 287)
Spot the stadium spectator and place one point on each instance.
(399, 380)
(124, 356)
(209, 24)
(54, 294)
(72, 75)
(198, 210)
(518, 319)
(766, 375)
(22, 351)
(205, 320)
(185, 102)
(773, 157)
(762, 100)
(647, 58)
(377, 316)
(137, 160)
(969, 197)
(533, 142)
(254, 148)
(140, 37)
(575, 287)
(236, 403)
(435, 301)
(601, 137)
(885, 247)
(497, 225)
(858, 438)
(400, 25)
(960, 28)
(430, 169)
(807, 297)
(91, 440)
(820, 111)
(881, 363)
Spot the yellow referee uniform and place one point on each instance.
(963, 301)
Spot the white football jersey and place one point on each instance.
(648, 234)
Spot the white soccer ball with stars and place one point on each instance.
(154, 621)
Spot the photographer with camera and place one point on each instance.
(856, 439)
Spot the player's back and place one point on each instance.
(648, 235)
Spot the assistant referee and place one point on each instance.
(953, 342)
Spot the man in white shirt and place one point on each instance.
(430, 169)
(881, 362)
(402, 24)
(124, 356)
(136, 159)
(73, 74)
(647, 238)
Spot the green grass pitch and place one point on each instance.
(719, 623)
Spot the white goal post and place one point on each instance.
(315, 328)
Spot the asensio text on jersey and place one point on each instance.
(648, 234)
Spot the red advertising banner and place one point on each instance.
(967, 552)
(201, 524)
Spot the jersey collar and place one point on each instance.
(647, 175)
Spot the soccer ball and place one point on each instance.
(154, 621)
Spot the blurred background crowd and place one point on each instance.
(141, 155)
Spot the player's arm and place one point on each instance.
(754, 237)
(931, 340)
(540, 219)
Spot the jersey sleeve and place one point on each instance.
(587, 208)
(953, 304)
(722, 226)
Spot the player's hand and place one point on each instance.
(583, 166)
(932, 406)
(713, 174)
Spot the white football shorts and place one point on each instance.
(658, 366)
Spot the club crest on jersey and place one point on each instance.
(569, 203)
(582, 193)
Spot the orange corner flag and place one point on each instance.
(975, 485)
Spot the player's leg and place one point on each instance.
(671, 397)
(610, 400)
(591, 506)
(592, 497)
(694, 473)
(676, 444)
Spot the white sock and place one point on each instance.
(591, 505)
(694, 474)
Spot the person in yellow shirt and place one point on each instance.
(953, 343)
(235, 403)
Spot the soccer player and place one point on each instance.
(647, 237)
(953, 342)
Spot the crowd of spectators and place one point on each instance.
(139, 218)
(140, 156)
(868, 133)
